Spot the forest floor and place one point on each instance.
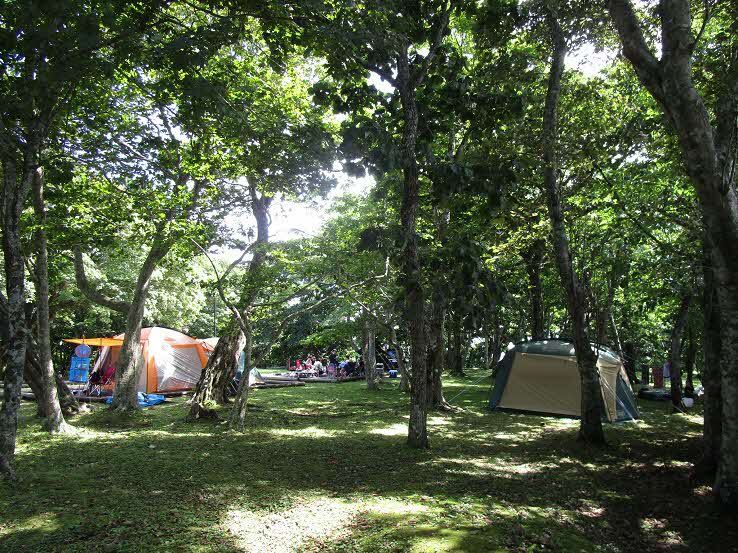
(325, 468)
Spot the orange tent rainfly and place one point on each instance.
(172, 361)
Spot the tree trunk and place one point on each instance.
(130, 362)
(33, 376)
(225, 367)
(645, 374)
(706, 467)
(411, 271)
(726, 482)
(49, 400)
(253, 283)
(689, 360)
(32, 370)
(604, 315)
(630, 362)
(456, 350)
(496, 338)
(533, 259)
(436, 349)
(675, 358)
(590, 430)
(369, 352)
(241, 401)
(223, 361)
(401, 365)
(15, 192)
(709, 155)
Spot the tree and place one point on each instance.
(50, 399)
(281, 145)
(708, 146)
(590, 429)
(47, 53)
(399, 42)
(171, 190)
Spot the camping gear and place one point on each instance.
(392, 373)
(171, 360)
(543, 377)
(83, 350)
(144, 400)
(657, 394)
(79, 369)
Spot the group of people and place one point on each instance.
(328, 366)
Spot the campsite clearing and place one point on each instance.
(325, 468)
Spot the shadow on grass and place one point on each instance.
(493, 481)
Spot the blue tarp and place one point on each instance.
(144, 400)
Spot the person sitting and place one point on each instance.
(318, 367)
(350, 368)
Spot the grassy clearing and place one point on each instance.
(325, 468)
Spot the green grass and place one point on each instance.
(325, 468)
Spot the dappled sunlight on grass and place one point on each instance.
(309, 432)
(326, 468)
(45, 522)
(397, 429)
(288, 530)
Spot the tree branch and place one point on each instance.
(242, 325)
(646, 66)
(89, 291)
(419, 73)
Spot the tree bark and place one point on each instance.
(590, 430)
(712, 430)
(15, 192)
(221, 367)
(496, 346)
(225, 367)
(456, 349)
(533, 259)
(630, 363)
(260, 207)
(675, 349)
(401, 364)
(689, 360)
(369, 351)
(241, 401)
(436, 348)
(49, 399)
(32, 371)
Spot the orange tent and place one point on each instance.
(172, 360)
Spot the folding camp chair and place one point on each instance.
(99, 387)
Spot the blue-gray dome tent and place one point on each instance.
(543, 377)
